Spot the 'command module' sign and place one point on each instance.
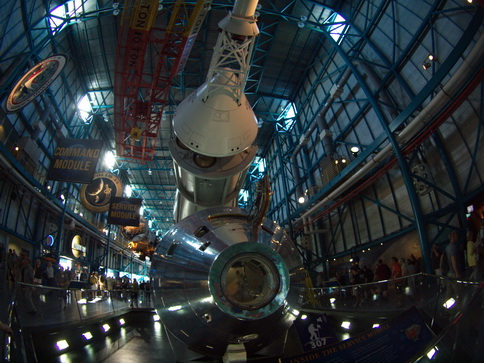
(75, 160)
(124, 211)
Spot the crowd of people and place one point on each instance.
(19, 268)
(358, 275)
(456, 261)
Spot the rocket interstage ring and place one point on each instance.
(249, 281)
(214, 286)
(205, 181)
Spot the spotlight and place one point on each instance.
(62, 344)
(434, 350)
(106, 327)
(156, 317)
(431, 57)
(354, 151)
(304, 317)
(121, 322)
(375, 326)
(332, 300)
(345, 324)
(449, 303)
(426, 65)
(301, 199)
(175, 308)
(87, 335)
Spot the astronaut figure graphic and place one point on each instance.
(314, 330)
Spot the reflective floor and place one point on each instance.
(452, 309)
(142, 341)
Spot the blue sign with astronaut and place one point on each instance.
(398, 340)
(315, 331)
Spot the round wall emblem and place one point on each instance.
(78, 246)
(35, 82)
(97, 195)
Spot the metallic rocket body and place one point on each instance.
(222, 277)
(214, 286)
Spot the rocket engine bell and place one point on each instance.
(215, 286)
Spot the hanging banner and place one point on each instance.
(315, 332)
(97, 195)
(75, 160)
(124, 211)
(398, 340)
(35, 82)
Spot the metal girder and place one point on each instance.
(141, 92)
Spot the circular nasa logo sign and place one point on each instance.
(78, 246)
(35, 82)
(97, 195)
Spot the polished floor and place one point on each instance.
(140, 338)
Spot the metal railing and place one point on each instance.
(40, 306)
(453, 308)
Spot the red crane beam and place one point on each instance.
(140, 92)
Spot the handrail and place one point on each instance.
(430, 294)
(449, 305)
(80, 305)
(39, 305)
(7, 339)
(454, 323)
(471, 282)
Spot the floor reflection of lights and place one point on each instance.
(66, 358)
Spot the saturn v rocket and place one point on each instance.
(223, 277)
